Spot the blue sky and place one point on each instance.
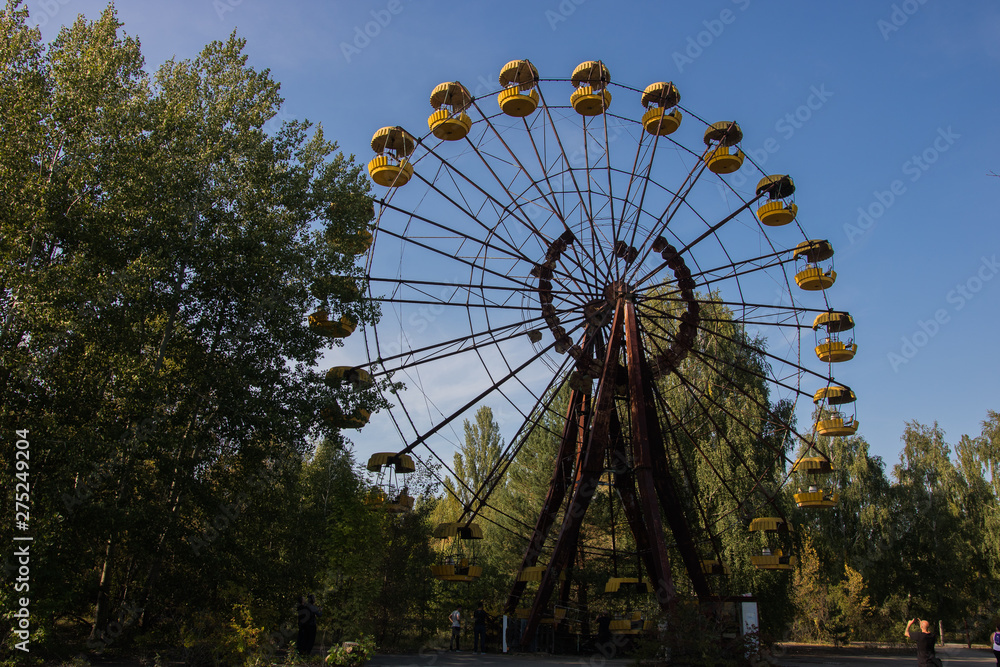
(882, 111)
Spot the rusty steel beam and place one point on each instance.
(625, 485)
(670, 500)
(575, 423)
(587, 477)
(642, 460)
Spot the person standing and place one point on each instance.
(479, 617)
(996, 643)
(456, 628)
(603, 632)
(925, 640)
(308, 612)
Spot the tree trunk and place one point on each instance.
(102, 606)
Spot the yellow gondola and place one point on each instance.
(558, 614)
(397, 504)
(837, 425)
(832, 349)
(659, 98)
(818, 498)
(390, 168)
(835, 351)
(358, 378)
(834, 394)
(720, 137)
(721, 161)
(773, 561)
(769, 524)
(632, 584)
(632, 623)
(457, 561)
(401, 463)
(352, 244)
(343, 287)
(320, 323)
(813, 465)
(519, 97)
(449, 120)
(591, 97)
(815, 497)
(776, 212)
(535, 573)
(335, 416)
(389, 492)
(833, 422)
(813, 277)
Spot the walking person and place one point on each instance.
(308, 612)
(479, 618)
(456, 628)
(925, 640)
(996, 643)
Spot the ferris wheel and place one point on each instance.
(579, 238)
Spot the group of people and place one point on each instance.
(479, 619)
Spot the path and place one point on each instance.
(952, 655)
(791, 656)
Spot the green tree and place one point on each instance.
(926, 528)
(159, 254)
(729, 437)
(854, 532)
(479, 456)
(853, 605)
(373, 576)
(985, 456)
(811, 595)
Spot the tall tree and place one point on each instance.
(926, 524)
(159, 254)
(855, 532)
(479, 455)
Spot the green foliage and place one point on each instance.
(352, 654)
(480, 453)
(923, 544)
(241, 641)
(696, 634)
(159, 253)
(158, 257)
(854, 608)
(811, 596)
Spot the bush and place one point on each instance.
(352, 654)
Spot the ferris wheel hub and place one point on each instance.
(617, 291)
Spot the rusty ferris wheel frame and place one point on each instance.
(540, 234)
